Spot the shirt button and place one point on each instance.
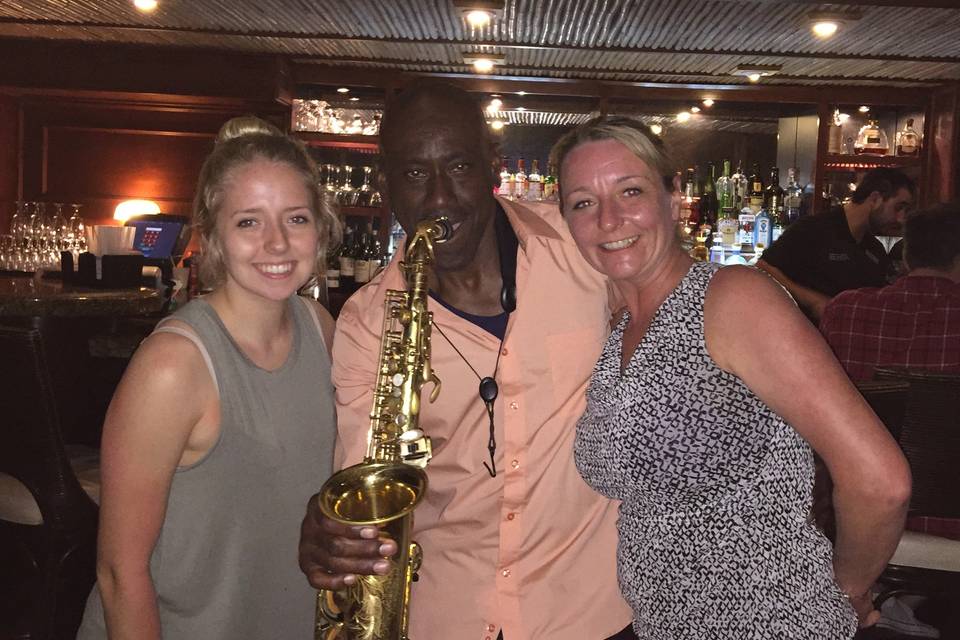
(503, 352)
(515, 464)
(511, 516)
(505, 573)
(491, 628)
(514, 405)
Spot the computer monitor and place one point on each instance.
(160, 236)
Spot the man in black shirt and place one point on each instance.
(819, 256)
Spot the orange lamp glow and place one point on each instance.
(129, 208)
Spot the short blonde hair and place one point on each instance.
(631, 133)
(240, 141)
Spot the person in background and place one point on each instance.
(224, 422)
(819, 256)
(705, 431)
(913, 323)
(513, 540)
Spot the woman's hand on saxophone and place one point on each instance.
(332, 554)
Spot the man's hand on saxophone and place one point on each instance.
(332, 553)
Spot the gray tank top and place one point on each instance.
(225, 564)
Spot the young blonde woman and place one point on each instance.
(223, 424)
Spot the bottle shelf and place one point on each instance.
(369, 144)
(374, 212)
(865, 162)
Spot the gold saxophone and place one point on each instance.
(385, 488)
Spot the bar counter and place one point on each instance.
(25, 295)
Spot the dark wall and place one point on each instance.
(9, 161)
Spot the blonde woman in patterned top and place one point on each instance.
(703, 413)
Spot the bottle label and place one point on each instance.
(762, 232)
(347, 266)
(361, 271)
(728, 231)
(745, 233)
(333, 278)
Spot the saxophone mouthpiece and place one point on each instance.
(441, 229)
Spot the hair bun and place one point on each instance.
(246, 126)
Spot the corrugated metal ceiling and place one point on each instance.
(674, 41)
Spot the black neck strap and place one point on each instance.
(507, 245)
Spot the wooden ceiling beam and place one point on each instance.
(466, 44)
(584, 88)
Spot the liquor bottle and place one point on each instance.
(762, 231)
(871, 140)
(506, 179)
(333, 270)
(535, 183)
(550, 185)
(708, 199)
(776, 231)
(361, 267)
(690, 202)
(520, 181)
(756, 190)
(728, 224)
(792, 197)
(835, 134)
(908, 140)
(725, 191)
(773, 195)
(346, 260)
(741, 188)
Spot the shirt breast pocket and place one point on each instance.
(572, 356)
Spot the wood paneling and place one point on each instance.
(103, 167)
(9, 159)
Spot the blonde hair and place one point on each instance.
(240, 141)
(631, 133)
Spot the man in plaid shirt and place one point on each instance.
(913, 323)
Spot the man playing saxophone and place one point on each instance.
(513, 541)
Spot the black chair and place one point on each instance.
(930, 439)
(888, 399)
(48, 521)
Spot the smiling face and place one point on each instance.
(266, 231)
(439, 162)
(621, 216)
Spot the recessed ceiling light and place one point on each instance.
(657, 129)
(863, 109)
(824, 24)
(753, 72)
(343, 90)
(483, 62)
(694, 109)
(480, 13)
(683, 116)
(708, 102)
(495, 104)
(825, 28)
(478, 19)
(145, 6)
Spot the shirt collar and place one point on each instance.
(526, 222)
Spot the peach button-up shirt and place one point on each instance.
(532, 551)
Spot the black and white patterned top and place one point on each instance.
(715, 539)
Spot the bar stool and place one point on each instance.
(930, 438)
(48, 519)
